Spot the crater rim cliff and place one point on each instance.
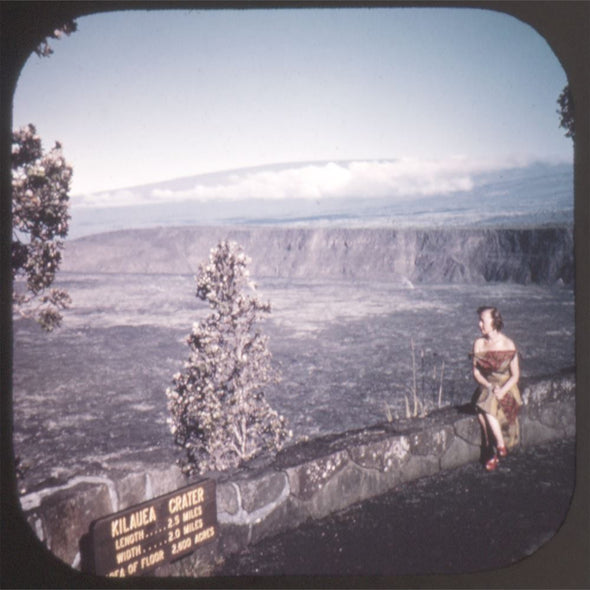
(525, 255)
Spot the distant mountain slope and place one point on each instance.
(536, 255)
(340, 194)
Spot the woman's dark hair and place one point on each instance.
(497, 321)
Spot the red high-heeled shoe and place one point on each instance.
(502, 451)
(492, 463)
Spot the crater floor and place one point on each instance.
(93, 391)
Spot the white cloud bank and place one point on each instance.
(395, 179)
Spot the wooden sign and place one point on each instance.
(138, 539)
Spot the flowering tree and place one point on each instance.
(219, 413)
(67, 28)
(40, 186)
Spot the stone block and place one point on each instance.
(263, 490)
(537, 393)
(131, 489)
(293, 475)
(530, 413)
(565, 386)
(227, 498)
(469, 430)
(459, 453)
(257, 498)
(383, 455)
(569, 418)
(287, 515)
(533, 432)
(548, 390)
(161, 480)
(36, 523)
(67, 515)
(233, 538)
(433, 441)
(307, 479)
(559, 415)
(349, 486)
(419, 466)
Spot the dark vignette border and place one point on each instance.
(561, 563)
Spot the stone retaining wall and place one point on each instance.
(306, 481)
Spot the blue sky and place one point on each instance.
(138, 97)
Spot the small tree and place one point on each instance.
(40, 186)
(219, 413)
(566, 112)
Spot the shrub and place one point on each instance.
(40, 218)
(219, 413)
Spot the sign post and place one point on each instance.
(142, 537)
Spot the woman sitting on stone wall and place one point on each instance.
(497, 399)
